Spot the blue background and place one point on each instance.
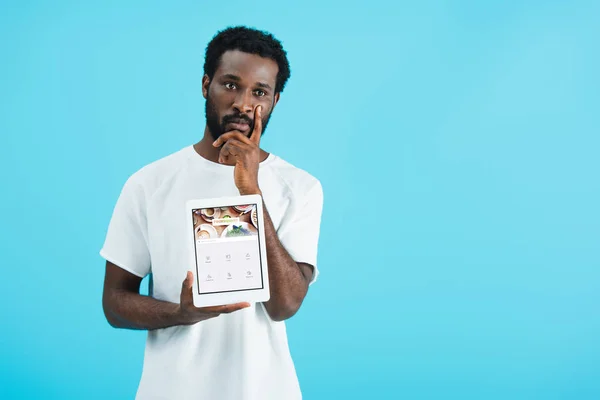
(457, 143)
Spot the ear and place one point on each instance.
(275, 100)
(205, 84)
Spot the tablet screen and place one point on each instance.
(227, 248)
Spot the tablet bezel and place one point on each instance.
(243, 295)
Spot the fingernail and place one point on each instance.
(215, 143)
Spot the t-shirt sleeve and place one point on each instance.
(126, 243)
(299, 230)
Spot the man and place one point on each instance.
(236, 351)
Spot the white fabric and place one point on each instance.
(243, 355)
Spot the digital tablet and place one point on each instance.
(227, 250)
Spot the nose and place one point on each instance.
(243, 102)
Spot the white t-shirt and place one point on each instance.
(243, 355)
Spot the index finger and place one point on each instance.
(257, 131)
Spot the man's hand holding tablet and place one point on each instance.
(191, 314)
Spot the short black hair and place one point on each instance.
(248, 40)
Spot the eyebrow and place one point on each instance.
(237, 79)
(263, 85)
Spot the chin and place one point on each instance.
(214, 135)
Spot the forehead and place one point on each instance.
(249, 67)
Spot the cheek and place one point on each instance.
(221, 98)
(267, 106)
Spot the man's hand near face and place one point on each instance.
(244, 153)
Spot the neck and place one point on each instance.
(205, 148)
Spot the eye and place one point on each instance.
(230, 85)
(260, 93)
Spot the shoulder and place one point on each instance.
(299, 182)
(151, 176)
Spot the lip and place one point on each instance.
(238, 126)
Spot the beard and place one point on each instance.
(217, 128)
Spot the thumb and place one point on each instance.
(188, 282)
(186, 288)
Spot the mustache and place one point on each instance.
(237, 118)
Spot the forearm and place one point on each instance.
(288, 285)
(124, 309)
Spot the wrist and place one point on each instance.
(252, 190)
(179, 317)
